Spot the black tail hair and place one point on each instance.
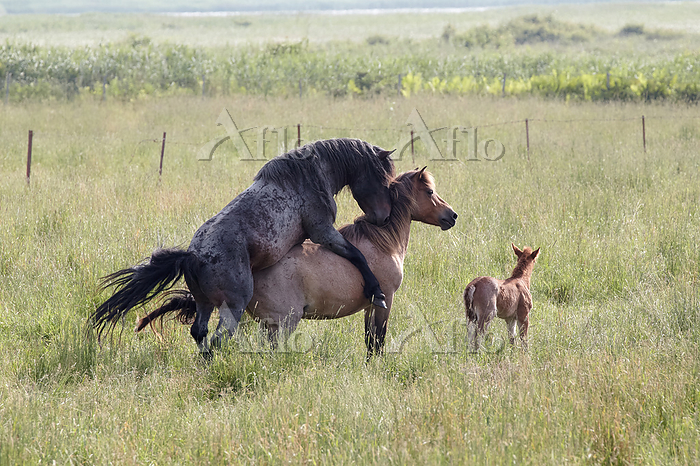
(176, 300)
(138, 285)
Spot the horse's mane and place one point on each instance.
(523, 263)
(394, 235)
(301, 169)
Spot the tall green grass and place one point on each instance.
(536, 56)
(612, 372)
(141, 70)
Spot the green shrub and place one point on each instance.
(632, 30)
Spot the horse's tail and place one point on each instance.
(469, 302)
(138, 285)
(177, 300)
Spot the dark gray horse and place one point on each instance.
(291, 199)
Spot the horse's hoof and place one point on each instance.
(379, 301)
(207, 355)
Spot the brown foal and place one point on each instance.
(510, 299)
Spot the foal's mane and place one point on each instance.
(523, 263)
(393, 236)
(302, 169)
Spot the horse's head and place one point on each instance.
(371, 188)
(525, 256)
(429, 207)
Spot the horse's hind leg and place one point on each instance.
(511, 329)
(522, 327)
(230, 313)
(200, 327)
(473, 336)
(485, 316)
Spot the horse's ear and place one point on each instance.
(383, 154)
(517, 251)
(534, 254)
(419, 174)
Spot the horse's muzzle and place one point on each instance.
(448, 220)
(379, 218)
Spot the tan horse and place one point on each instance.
(310, 282)
(510, 299)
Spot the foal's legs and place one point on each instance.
(522, 327)
(511, 329)
(485, 315)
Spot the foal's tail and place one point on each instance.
(138, 285)
(177, 300)
(469, 302)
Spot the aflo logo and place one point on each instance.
(489, 149)
(461, 143)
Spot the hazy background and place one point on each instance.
(83, 6)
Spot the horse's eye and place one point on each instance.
(430, 192)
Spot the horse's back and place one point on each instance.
(510, 296)
(325, 284)
(262, 223)
(482, 291)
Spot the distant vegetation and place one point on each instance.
(535, 29)
(523, 30)
(140, 68)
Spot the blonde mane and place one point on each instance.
(392, 237)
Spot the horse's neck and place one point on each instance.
(523, 274)
(337, 179)
(405, 238)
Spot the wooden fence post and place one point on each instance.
(527, 137)
(644, 134)
(162, 153)
(298, 134)
(29, 155)
(7, 88)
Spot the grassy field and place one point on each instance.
(612, 372)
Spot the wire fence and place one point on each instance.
(412, 133)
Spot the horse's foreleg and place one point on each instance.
(333, 240)
(524, 308)
(376, 320)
